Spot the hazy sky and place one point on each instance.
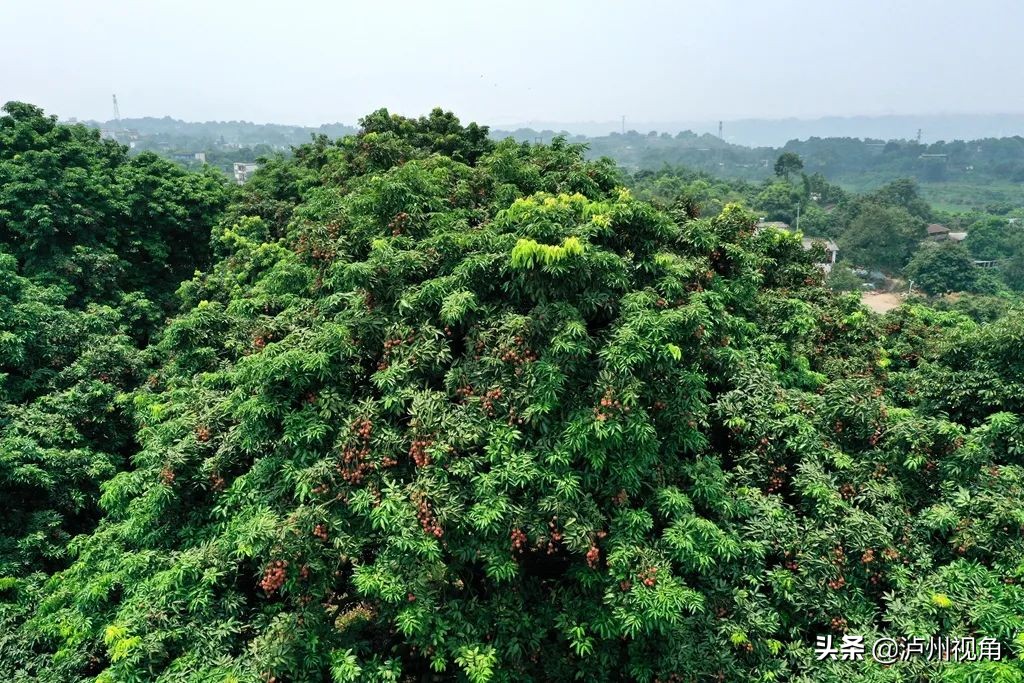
(305, 62)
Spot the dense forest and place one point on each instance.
(986, 174)
(883, 231)
(221, 143)
(839, 158)
(170, 133)
(416, 404)
(983, 174)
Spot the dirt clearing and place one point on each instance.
(880, 302)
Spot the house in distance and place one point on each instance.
(808, 243)
(243, 171)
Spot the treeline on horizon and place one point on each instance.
(885, 238)
(418, 405)
(859, 160)
(863, 163)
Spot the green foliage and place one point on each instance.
(946, 267)
(882, 237)
(77, 210)
(453, 409)
(787, 163)
(779, 201)
(992, 238)
(92, 247)
(843, 279)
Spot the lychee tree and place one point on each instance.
(473, 412)
(93, 244)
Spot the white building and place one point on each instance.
(831, 251)
(244, 171)
(831, 248)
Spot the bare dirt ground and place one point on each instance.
(880, 302)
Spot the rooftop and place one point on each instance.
(808, 242)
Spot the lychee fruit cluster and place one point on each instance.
(418, 451)
(398, 223)
(273, 576)
(777, 480)
(555, 536)
(426, 516)
(514, 419)
(608, 407)
(353, 466)
(320, 531)
(648, 577)
(489, 399)
(518, 540)
(519, 353)
(790, 563)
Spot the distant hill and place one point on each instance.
(860, 152)
(224, 132)
(777, 132)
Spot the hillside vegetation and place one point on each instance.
(428, 406)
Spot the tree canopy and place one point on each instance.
(788, 163)
(446, 409)
(92, 247)
(946, 267)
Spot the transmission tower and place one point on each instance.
(720, 131)
(117, 112)
(919, 136)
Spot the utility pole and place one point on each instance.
(798, 218)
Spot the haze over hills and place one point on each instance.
(777, 132)
(238, 132)
(982, 154)
(746, 132)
